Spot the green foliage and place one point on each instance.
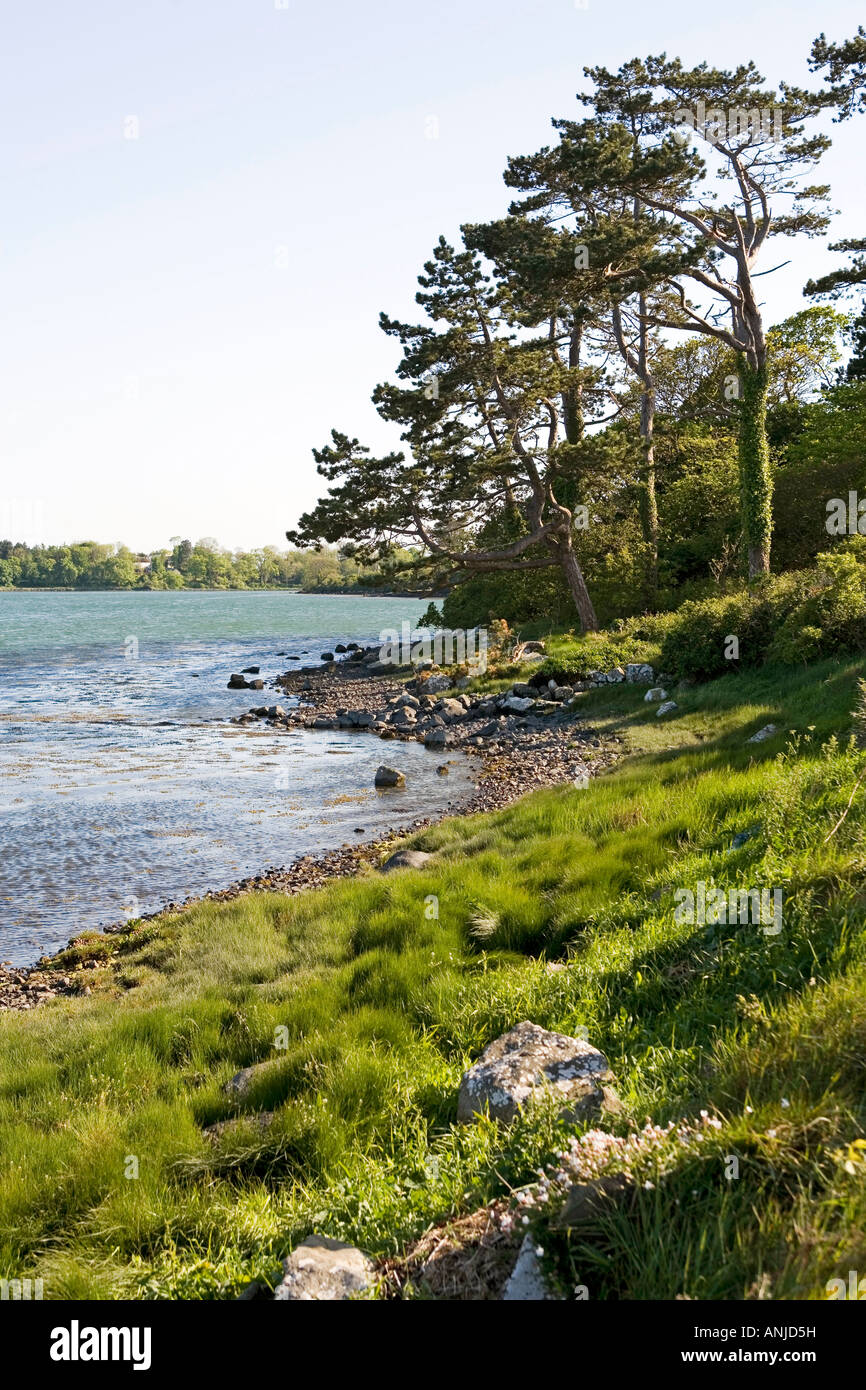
(205, 565)
(790, 618)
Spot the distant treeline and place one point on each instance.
(203, 565)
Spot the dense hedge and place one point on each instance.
(793, 618)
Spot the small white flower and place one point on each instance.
(785, 1103)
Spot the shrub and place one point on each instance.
(790, 619)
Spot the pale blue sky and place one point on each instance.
(185, 313)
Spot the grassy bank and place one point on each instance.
(371, 1006)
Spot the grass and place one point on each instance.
(371, 996)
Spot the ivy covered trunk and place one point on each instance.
(756, 488)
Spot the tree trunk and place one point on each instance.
(648, 503)
(572, 398)
(577, 586)
(756, 488)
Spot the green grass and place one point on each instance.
(371, 1006)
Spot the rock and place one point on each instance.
(261, 1120)
(434, 684)
(450, 709)
(324, 1270)
(638, 673)
(341, 647)
(242, 1081)
(655, 694)
(237, 682)
(667, 708)
(380, 668)
(352, 647)
(763, 734)
(744, 836)
(616, 675)
(388, 777)
(251, 670)
(322, 723)
(436, 738)
(525, 651)
(255, 685)
(526, 1282)
(587, 1200)
(516, 704)
(443, 769)
(561, 693)
(406, 859)
(327, 656)
(523, 690)
(403, 715)
(275, 712)
(360, 718)
(529, 1061)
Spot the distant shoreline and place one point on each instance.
(265, 589)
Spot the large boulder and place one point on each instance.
(324, 1270)
(406, 859)
(388, 777)
(530, 1062)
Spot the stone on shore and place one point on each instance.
(238, 682)
(324, 1270)
(530, 1062)
(388, 777)
(406, 859)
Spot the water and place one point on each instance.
(123, 784)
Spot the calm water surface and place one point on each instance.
(124, 786)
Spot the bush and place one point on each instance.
(790, 619)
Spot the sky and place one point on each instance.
(206, 204)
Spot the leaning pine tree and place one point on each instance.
(479, 403)
(752, 153)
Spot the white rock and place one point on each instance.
(666, 708)
(763, 734)
(526, 1282)
(655, 694)
(324, 1270)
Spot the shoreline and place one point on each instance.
(522, 753)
